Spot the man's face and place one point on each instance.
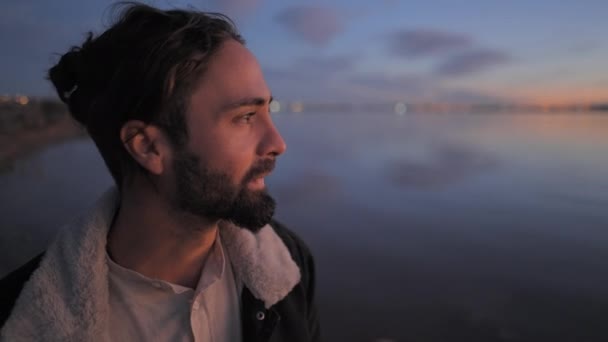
(232, 143)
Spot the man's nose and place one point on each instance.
(272, 142)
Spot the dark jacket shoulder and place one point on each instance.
(300, 303)
(301, 255)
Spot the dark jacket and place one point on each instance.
(292, 318)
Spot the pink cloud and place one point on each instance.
(472, 62)
(313, 24)
(425, 42)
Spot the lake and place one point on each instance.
(425, 227)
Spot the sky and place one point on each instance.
(486, 51)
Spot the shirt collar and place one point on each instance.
(212, 270)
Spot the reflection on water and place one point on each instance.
(424, 227)
(451, 164)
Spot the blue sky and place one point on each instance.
(384, 50)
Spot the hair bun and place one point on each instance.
(64, 76)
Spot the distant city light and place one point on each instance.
(400, 108)
(275, 106)
(23, 100)
(297, 107)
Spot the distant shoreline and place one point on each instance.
(20, 143)
(29, 124)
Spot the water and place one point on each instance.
(424, 227)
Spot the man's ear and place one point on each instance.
(147, 144)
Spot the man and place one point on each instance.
(185, 247)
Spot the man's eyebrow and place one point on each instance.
(250, 101)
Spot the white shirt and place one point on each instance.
(144, 309)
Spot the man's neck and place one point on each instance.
(148, 238)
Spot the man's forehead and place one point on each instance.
(233, 62)
(233, 76)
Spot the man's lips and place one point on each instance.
(258, 181)
(259, 172)
(260, 176)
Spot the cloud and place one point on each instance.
(314, 24)
(471, 62)
(312, 78)
(236, 7)
(459, 55)
(336, 79)
(313, 68)
(326, 64)
(425, 42)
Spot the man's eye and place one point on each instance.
(246, 118)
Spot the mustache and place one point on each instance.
(259, 168)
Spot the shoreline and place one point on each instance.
(23, 142)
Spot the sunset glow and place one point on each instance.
(342, 51)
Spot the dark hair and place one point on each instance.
(144, 67)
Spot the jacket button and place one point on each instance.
(260, 316)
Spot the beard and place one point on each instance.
(212, 195)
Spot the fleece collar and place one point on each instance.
(67, 297)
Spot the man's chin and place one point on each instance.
(253, 210)
(253, 222)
